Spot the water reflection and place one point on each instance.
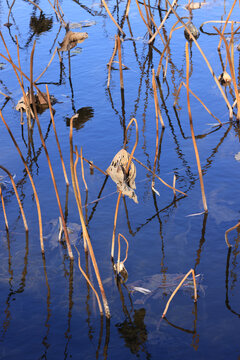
(83, 115)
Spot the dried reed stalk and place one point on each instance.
(120, 193)
(50, 61)
(89, 282)
(6, 96)
(226, 22)
(47, 156)
(157, 107)
(164, 182)
(166, 46)
(206, 60)
(178, 287)
(82, 168)
(142, 17)
(192, 133)
(96, 167)
(84, 229)
(58, 14)
(174, 183)
(33, 3)
(55, 132)
(119, 251)
(120, 61)
(112, 18)
(110, 62)
(201, 102)
(4, 210)
(32, 183)
(152, 20)
(17, 196)
(162, 23)
(231, 65)
(226, 233)
(147, 14)
(128, 7)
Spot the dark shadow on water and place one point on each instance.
(82, 115)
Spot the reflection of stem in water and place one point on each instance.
(99, 195)
(70, 306)
(47, 322)
(100, 337)
(3, 207)
(127, 216)
(107, 339)
(66, 204)
(202, 241)
(227, 303)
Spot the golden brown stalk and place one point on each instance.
(119, 251)
(174, 183)
(33, 3)
(17, 196)
(84, 229)
(164, 182)
(112, 18)
(226, 233)
(128, 7)
(147, 14)
(115, 224)
(157, 107)
(229, 14)
(156, 112)
(141, 14)
(110, 62)
(50, 61)
(58, 14)
(162, 23)
(55, 132)
(89, 282)
(83, 177)
(152, 20)
(192, 133)
(32, 183)
(206, 60)
(4, 210)
(120, 61)
(48, 159)
(231, 65)
(205, 107)
(6, 96)
(178, 287)
(96, 167)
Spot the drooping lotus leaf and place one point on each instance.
(71, 39)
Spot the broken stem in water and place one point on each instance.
(226, 233)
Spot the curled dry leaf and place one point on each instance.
(193, 30)
(40, 101)
(71, 39)
(117, 170)
(224, 78)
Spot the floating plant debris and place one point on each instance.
(117, 171)
(194, 5)
(71, 39)
(237, 156)
(40, 101)
(224, 78)
(157, 285)
(193, 30)
(82, 24)
(2, 66)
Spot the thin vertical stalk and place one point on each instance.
(48, 159)
(110, 62)
(119, 251)
(226, 22)
(128, 7)
(231, 65)
(55, 132)
(32, 183)
(84, 229)
(112, 18)
(192, 133)
(178, 287)
(115, 224)
(141, 14)
(174, 184)
(156, 113)
(82, 168)
(120, 61)
(17, 196)
(206, 60)
(89, 282)
(4, 210)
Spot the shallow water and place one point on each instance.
(47, 309)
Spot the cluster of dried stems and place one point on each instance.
(31, 113)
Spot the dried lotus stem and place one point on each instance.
(4, 210)
(174, 183)
(226, 22)
(178, 287)
(112, 18)
(17, 196)
(120, 61)
(55, 132)
(226, 233)
(110, 62)
(32, 183)
(192, 133)
(89, 282)
(119, 251)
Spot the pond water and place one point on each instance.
(48, 311)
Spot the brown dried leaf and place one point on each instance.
(40, 101)
(117, 172)
(224, 78)
(194, 6)
(71, 39)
